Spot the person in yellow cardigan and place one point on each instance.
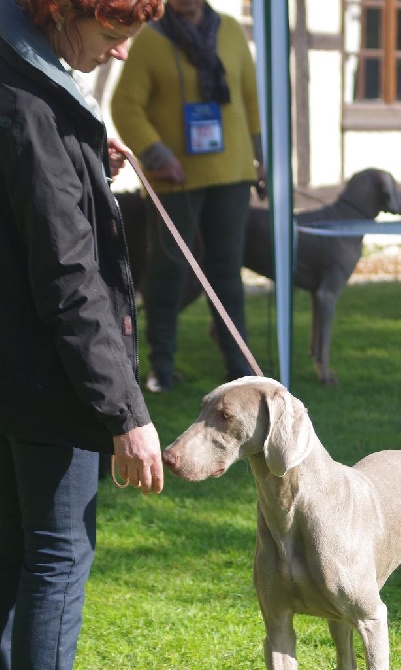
(186, 104)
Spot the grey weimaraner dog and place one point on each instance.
(328, 535)
(323, 264)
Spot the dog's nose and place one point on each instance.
(170, 459)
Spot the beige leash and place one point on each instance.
(202, 278)
(196, 268)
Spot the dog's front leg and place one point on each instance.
(374, 633)
(280, 641)
(342, 634)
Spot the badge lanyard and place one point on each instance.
(202, 121)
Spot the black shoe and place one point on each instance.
(159, 381)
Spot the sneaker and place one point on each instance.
(159, 381)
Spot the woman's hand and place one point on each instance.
(261, 186)
(116, 155)
(171, 171)
(138, 458)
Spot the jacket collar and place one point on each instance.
(30, 45)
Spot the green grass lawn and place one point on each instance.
(171, 586)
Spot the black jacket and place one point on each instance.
(68, 355)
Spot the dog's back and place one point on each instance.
(316, 256)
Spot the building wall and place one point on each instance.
(330, 160)
(373, 149)
(233, 7)
(325, 117)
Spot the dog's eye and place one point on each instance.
(226, 414)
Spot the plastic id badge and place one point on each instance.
(203, 127)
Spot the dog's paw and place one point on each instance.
(329, 379)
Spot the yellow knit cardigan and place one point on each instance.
(148, 99)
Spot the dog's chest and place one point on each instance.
(289, 564)
(301, 581)
(291, 558)
(288, 549)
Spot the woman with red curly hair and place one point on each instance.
(69, 385)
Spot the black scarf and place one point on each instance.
(199, 43)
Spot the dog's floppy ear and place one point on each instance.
(290, 437)
(392, 197)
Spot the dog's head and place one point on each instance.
(240, 419)
(372, 191)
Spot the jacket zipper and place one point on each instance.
(102, 150)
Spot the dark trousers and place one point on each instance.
(47, 542)
(219, 214)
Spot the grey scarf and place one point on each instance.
(199, 43)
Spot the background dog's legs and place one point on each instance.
(374, 633)
(324, 306)
(313, 344)
(342, 634)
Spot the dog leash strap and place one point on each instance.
(196, 268)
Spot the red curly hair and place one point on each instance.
(124, 12)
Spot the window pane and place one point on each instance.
(398, 41)
(398, 80)
(372, 36)
(372, 79)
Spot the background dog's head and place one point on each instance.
(372, 191)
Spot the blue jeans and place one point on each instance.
(47, 542)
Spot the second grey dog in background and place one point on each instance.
(323, 264)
